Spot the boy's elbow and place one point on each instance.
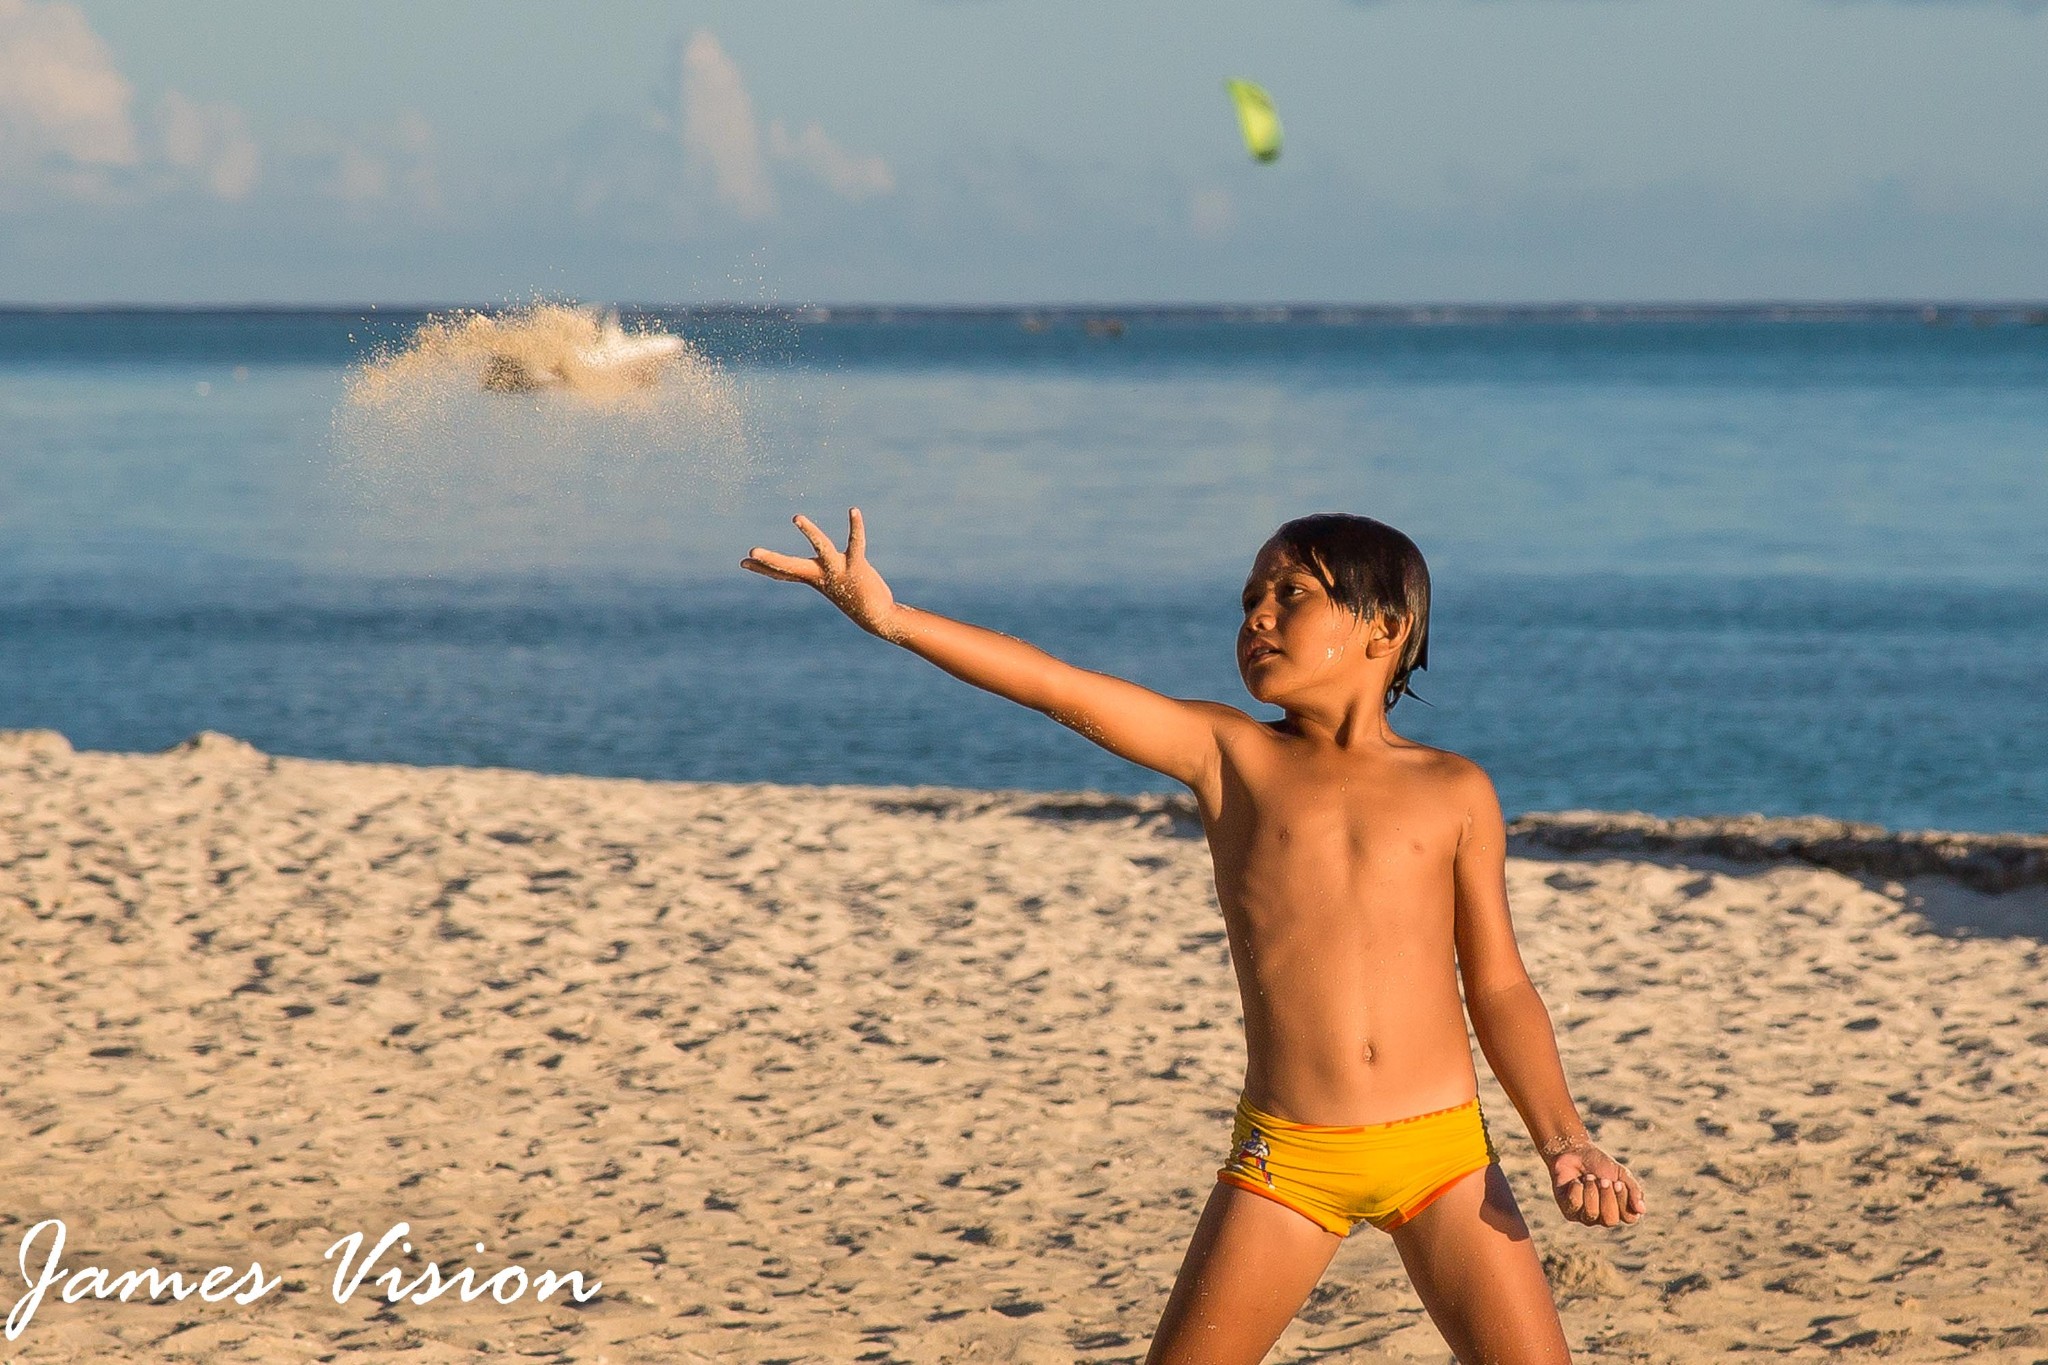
(1501, 1001)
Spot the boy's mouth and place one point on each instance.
(1258, 652)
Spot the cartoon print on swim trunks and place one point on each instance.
(1252, 1153)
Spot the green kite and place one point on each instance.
(1255, 117)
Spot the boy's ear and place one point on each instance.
(1383, 634)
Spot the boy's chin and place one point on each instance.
(1260, 692)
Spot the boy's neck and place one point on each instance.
(1350, 723)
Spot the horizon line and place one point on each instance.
(2030, 310)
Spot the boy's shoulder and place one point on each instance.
(1453, 793)
(1455, 775)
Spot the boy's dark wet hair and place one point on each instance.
(1373, 570)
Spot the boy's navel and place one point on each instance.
(1365, 1053)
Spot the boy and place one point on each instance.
(1362, 877)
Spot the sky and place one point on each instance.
(1021, 151)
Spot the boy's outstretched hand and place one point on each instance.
(848, 581)
(1593, 1188)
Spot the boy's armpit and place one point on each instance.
(1222, 714)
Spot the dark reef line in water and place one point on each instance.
(1984, 862)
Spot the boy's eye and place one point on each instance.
(1283, 591)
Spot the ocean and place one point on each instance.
(1702, 561)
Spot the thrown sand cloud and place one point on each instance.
(579, 351)
(524, 436)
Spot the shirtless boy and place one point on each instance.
(1362, 877)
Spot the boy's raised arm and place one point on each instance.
(1177, 738)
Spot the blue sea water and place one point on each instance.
(1792, 562)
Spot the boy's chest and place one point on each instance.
(1340, 829)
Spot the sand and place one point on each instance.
(435, 465)
(846, 1074)
(541, 346)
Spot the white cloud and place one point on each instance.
(359, 177)
(377, 169)
(719, 128)
(66, 130)
(61, 97)
(414, 138)
(1212, 213)
(212, 141)
(850, 174)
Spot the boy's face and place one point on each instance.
(1294, 637)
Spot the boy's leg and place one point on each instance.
(1249, 1267)
(1473, 1265)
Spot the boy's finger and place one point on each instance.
(1590, 1183)
(1610, 1206)
(1570, 1198)
(1589, 1192)
(782, 566)
(856, 536)
(820, 542)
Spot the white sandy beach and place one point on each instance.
(837, 1074)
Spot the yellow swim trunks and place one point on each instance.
(1379, 1173)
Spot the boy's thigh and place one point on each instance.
(1249, 1267)
(1475, 1269)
